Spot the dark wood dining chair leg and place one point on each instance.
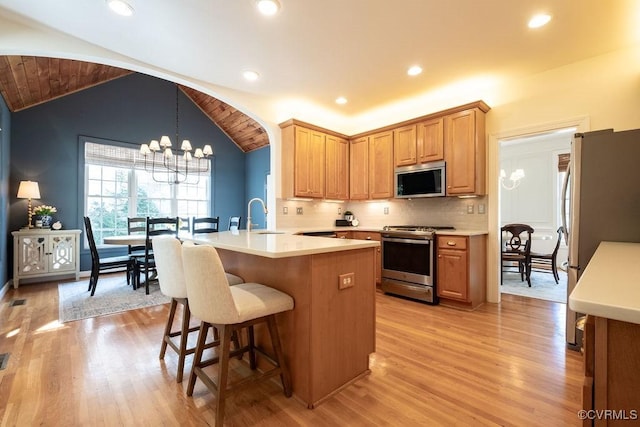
(197, 357)
(223, 373)
(279, 357)
(252, 351)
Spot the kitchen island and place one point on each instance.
(609, 293)
(328, 336)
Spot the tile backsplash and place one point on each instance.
(467, 214)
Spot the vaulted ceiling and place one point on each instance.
(26, 81)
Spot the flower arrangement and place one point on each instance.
(44, 210)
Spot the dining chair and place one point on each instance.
(147, 264)
(234, 223)
(205, 225)
(230, 309)
(184, 224)
(136, 225)
(99, 265)
(516, 248)
(547, 262)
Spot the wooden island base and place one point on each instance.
(328, 336)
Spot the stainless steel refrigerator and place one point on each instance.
(603, 183)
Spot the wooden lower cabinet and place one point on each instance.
(461, 270)
(367, 235)
(612, 373)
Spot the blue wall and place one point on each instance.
(5, 245)
(257, 164)
(132, 109)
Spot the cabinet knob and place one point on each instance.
(451, 243)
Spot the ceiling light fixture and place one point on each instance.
(539, 20)
(268, 7)
(252, 76)
(175, 167)
(121, 7)
(341, 100)
(414, 70)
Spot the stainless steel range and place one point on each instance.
(408, 254)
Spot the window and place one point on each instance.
(117, 187)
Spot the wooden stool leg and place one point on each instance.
(197, 357)
(277, 350)
(252, 352)
(223, 372)
(184, 336)
(167, 328)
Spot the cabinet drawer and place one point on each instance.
(452, 242)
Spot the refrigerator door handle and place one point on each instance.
(565, 188)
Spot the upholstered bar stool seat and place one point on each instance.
(230, 309)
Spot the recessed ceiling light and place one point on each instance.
(268, 7)
(414, 70)
(121, 7)
(539, 20)
(252, 76)
(341, 100)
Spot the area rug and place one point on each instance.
(542, 286)
(112, 296)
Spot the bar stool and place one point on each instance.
(230, 309)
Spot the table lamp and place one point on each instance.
(29, 190)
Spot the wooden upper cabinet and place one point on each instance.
(359, 169)
(430, 140)
(337, 168)
(309, 163)
(404, 145)
(381, 165)
(464, 152)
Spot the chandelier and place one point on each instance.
(514, 179)
(177, 167)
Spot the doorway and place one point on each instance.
(532, 170)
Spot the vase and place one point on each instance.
(47, 220)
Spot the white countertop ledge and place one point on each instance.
(278, 245)
(610, 285)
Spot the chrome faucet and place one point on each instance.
(264, 208)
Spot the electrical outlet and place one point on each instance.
(298, 211)
(285, 210)
(346, 280)
(339, 211)
(470, 208)
(386, 210)
(481, 208)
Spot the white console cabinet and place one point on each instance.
(45, 253)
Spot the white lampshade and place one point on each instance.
(144, 149)
(28, 190)
(165, 141)
(186, 145)
(167, 153)
(154, 146)
(187, 156)
(207, 151)
(198, 153)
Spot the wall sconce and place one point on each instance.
(29, 190)
(514, 179)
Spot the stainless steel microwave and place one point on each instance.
(425, 180)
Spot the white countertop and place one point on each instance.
(457, 232)
(280, 245)
(610, 285)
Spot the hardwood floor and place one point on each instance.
(499, 365)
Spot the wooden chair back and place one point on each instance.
(205, 225)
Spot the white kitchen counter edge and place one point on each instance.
(610, 284)
(278, 245)
(290, 230)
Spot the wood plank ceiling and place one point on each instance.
(26, 81)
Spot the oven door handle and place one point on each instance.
(412, 241)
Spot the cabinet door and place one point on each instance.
(381, 165)
(62, 253)
(452, 274)
(359, 169)
(430, 140)
(366, 235)
(460, 152)
(32, 255)
(309, 162)
(337, 168)
(404, 146)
